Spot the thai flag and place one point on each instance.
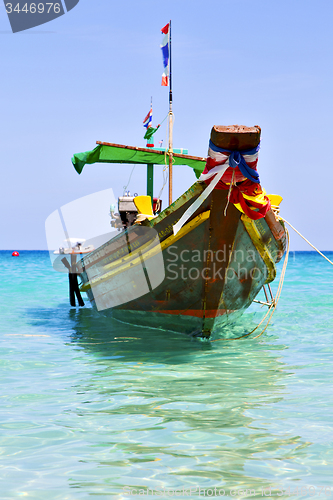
(165, 55)
(147, 121)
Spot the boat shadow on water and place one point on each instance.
(129, 343)
(107, 337)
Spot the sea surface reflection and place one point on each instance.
(91, 407)
(174, 412)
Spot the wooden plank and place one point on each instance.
(150, 150)
(235, 137)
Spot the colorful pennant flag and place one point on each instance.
(147, 121)
(150, 129)
(165, 55)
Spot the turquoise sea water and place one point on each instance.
(92, 408)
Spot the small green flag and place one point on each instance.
(150, 132)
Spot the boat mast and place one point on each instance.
(170, 151)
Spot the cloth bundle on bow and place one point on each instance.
(232, 165)
(232, 158)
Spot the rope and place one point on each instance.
(274, 303)
(292, 227)
(125, 187)
(164, 119)
(229, 193)
(279, 290)
(236, 159)
(166, 165)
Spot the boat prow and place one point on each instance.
(203, 276)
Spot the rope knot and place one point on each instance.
(236, 159)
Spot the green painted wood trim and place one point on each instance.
(150, 180)
(117, 153)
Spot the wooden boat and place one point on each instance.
(199, 264)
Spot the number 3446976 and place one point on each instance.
(34, 8)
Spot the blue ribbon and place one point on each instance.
(236, 159)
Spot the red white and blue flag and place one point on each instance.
(165, 46)
(147, 121)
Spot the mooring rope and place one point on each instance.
(274, 303)
(292, 227)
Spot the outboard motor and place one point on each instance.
(127, 210)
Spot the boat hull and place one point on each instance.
(213, 269)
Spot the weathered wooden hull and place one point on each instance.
(213, 270)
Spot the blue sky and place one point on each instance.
(89, 76)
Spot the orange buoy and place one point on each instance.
(15, 254)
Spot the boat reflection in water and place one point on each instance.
(170, 411)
